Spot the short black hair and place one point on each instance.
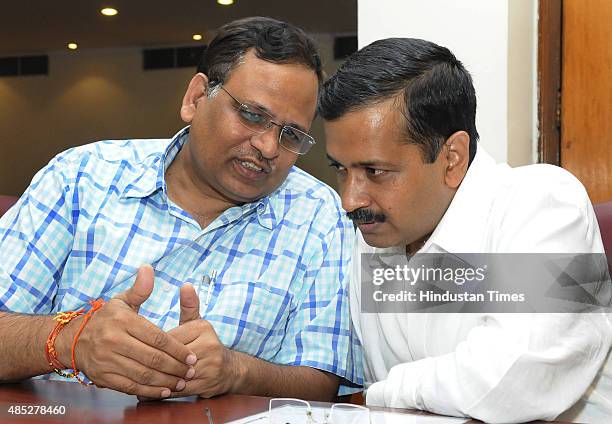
(272, 40)
(438, 95)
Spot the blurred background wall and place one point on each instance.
(101, 91)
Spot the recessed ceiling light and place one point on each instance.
(225, 2)
(197, 37)
(73, 46)
(109, 11)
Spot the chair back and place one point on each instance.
(603, 212)
(6, 202)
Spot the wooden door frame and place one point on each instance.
(550, 21)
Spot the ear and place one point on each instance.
(457, 151)
(197, 90)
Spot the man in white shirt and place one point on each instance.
(400, 129)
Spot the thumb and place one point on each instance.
(190, 304)
(141, 290)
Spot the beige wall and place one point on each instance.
(100, 94)
(522, 78)
(496, 42)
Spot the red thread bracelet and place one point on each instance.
(95, 305)
(62, 319)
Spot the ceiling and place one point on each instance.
(39, 26)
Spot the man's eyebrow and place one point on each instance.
(364, 164)
(260, 107)
(372, 163)
(266, 110)
(296, 126)
(332, 160)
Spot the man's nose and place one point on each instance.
(267, 142)
(354, 194)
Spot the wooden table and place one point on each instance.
(92, 405)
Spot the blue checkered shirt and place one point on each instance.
(97, 212)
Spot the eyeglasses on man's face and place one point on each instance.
(297, 411)
(260, 121)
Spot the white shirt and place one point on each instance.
(496, 367)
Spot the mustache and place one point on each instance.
(361, 216)
(257, 157)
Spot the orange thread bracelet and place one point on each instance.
(95, 305)
(62, 319)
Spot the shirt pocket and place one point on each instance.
(251, 317)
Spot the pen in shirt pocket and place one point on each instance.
(211, 285)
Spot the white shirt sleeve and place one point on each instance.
(511, 368)
(516, 367)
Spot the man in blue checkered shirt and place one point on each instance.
(246, 291)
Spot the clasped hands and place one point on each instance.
(122, 350)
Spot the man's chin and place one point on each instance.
(251, 191)
(381, 240)
(244, 193)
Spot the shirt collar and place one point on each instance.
(461, 228)
(153, 179)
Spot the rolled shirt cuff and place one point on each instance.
(375, 395)
(400, 388)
